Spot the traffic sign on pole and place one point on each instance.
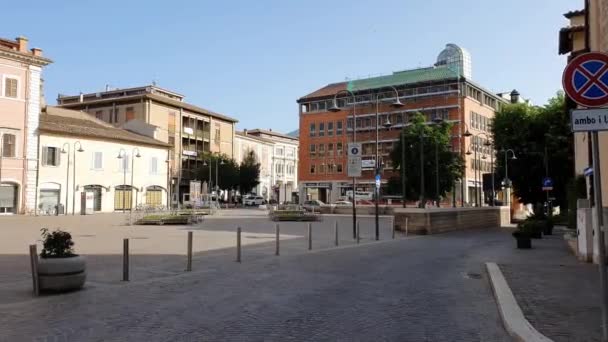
(354, 160)
(378, 182)
(585, 79)
(547, 184)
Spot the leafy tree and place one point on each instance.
(249, 176)
(434, 139)
(226, 169)
(542, 142)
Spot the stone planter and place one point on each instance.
(61, 274)
(524, 243)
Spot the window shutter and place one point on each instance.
(57, 157)
(44, 154)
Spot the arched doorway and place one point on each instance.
(97, 191)
(49, 197)
(123, 197)
(154, 195)
(9, 198)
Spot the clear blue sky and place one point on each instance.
(253, 59)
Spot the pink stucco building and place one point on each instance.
(20, 94)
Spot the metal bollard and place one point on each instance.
(309, 236)
(392, 221)
(406, 225)
(276, 252)
(34, 264)
(358, 232)
(238, 244)
(189, 264)
(125, 260)
(336, 233)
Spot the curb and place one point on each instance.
(512, 317)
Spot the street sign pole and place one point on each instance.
(584, 82)
(597, 185)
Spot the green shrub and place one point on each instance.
(57, 244)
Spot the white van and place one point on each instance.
(361, 195)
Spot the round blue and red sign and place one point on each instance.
(585, 79)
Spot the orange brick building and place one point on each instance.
(444, 90)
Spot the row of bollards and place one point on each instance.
(125, 255)
(125, 249)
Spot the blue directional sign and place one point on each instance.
(547, 184)
(378, 181)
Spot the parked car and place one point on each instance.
(313, 205)
(343, 204)
(254, 200)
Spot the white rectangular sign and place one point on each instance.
(368, 163)
(354, 166)
(354, 160)
(584, 120)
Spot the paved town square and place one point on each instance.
(408, 289)
(304, 171)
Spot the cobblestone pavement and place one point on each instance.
(430, 288)
(558, 295)
(160, 251)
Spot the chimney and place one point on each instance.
(81, 99)
(270, 129)
(22, 41)
(514, 96)
(245, 131)
(37, 52)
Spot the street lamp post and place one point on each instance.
(336, 108)
(437, 120)
(466, 134)
(121, 155)
(489, 143)
(403, 196)
(67, 174)
(507, 182)
(421, 204)
(454, 183)
(132, 173)
(395, 104)
(74, 150)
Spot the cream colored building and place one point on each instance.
(79, 153)
(573, 41)
(283, 164)
(263, 149)
(191, 131)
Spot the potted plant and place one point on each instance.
(523, 237)
(59, 268)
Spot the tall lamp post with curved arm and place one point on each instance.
(506, 181)
(386, 124)
(335, 108)
(489, 143)
(67, 173)
(74, 150)
(132, 172)
(121, 155)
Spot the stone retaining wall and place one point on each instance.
(440, 220)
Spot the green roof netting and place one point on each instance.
(403, 77)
